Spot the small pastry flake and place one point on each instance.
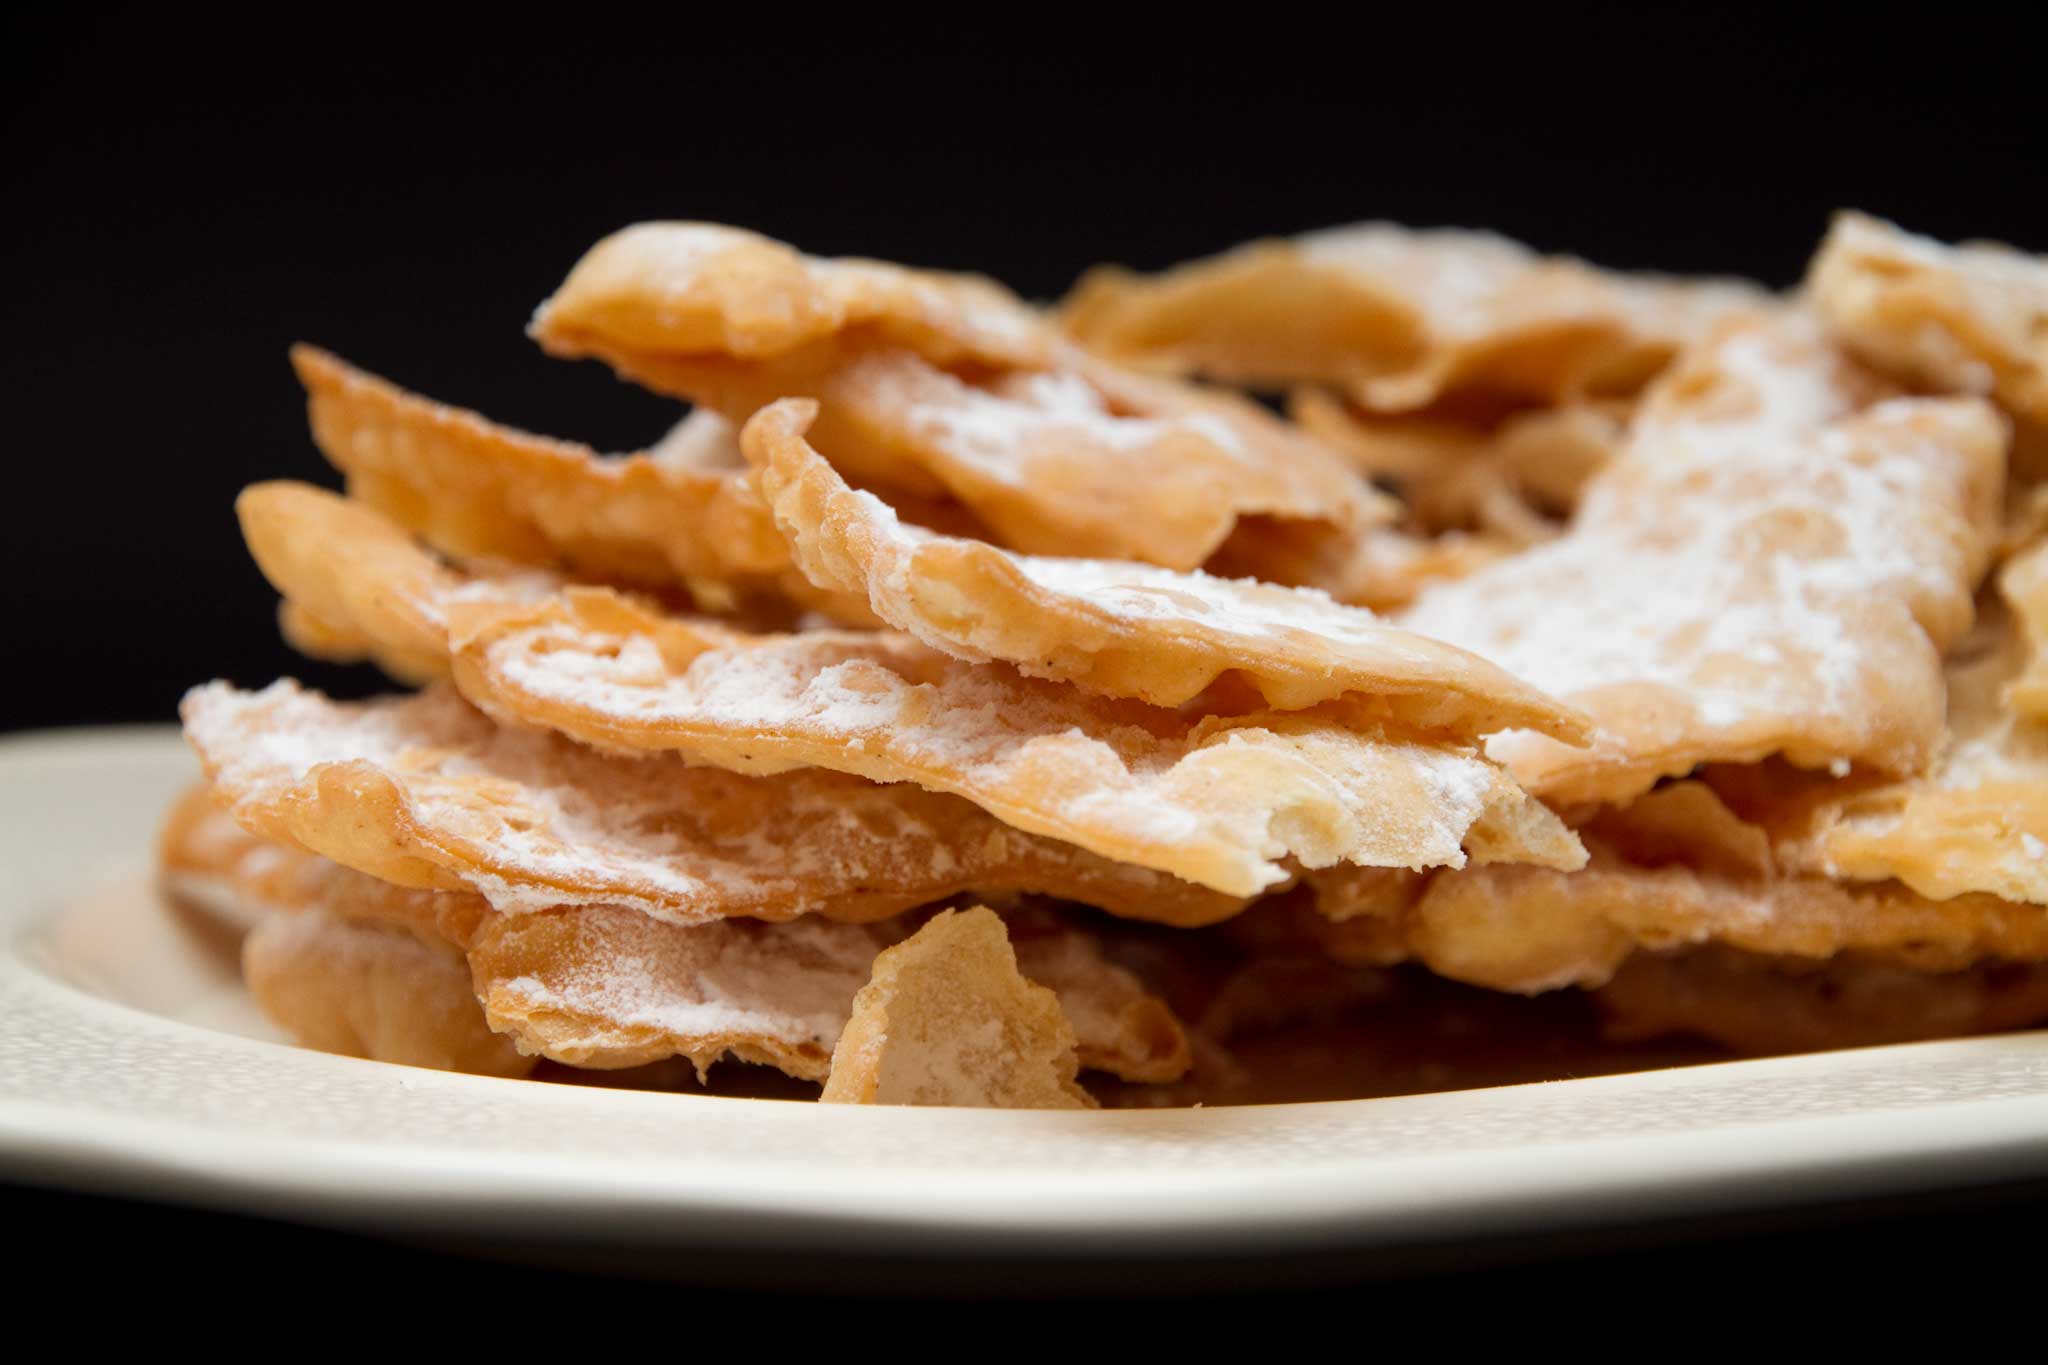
(947, 1019)
(1399, 318)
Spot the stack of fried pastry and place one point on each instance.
(971, 704)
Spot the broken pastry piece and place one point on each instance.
(1675, 869)
(426, 792)
(680, 516)
(938, 385)
(947, 1019)
(1216, 800)
(1128, 630)
(610, 987)
(351, 964)
(1728, 541)
(1383, 571)
(1399, 318)
(1976, 821)
(1957, 319)
(702, 290)
(1774, 565)
(1514, 479)
(373, 991)
(2023, 582)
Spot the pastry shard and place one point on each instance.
(207, 861)
(374, 991)
(1675, 869)
(2024, 584)
(1977, 821)
(682, 515)
(1528, 929)
(701, 290)
(1121, 1027)
(1383, 570)
(1127, 630)
(936, 385)
(1400, 318)
(1964, 319)
(352, 964)
(1511, 479)
(947, 1019)
(610, 987)
(1769, 1005)
(425, 792)
(304, 630)
(1774, 565)
(1217, 801)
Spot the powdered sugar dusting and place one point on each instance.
(533, 821)
(995, 429)
(1124, 780)
(1116, 627)
(1768, 550)
(792, 984)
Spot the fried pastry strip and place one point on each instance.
(702, 289)
(1511, 479)
(678, 515)
(947, 1019)
(1774, 565)
(611, 987)
(1963, 319)
(1215, 800)
(593, 986)
(368, 990)
(1128, 630)
(1977, 821)
(1676, 869)
(2023, 582)
(426, 792)
(941, 385)
(1384, 570)
(1400, 318)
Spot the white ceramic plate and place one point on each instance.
(131, 1063)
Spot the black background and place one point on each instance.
(185, 198)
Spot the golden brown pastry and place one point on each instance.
(1957, 319)
(427, 792)
(353, 965)
(1676, 868)
(1124, 629)
(945, 385)
(1774, 566)
(1216, 800)
(1399, 318)
(373, 991)
(947, 1019)
(1975, 821)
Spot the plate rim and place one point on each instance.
(420, 1188)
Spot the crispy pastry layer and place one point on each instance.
(352, 964)
(1401, 318)
(1111, 626)
(942, 385)
(947, 1019)
(1775, 565)
(1216, 800)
